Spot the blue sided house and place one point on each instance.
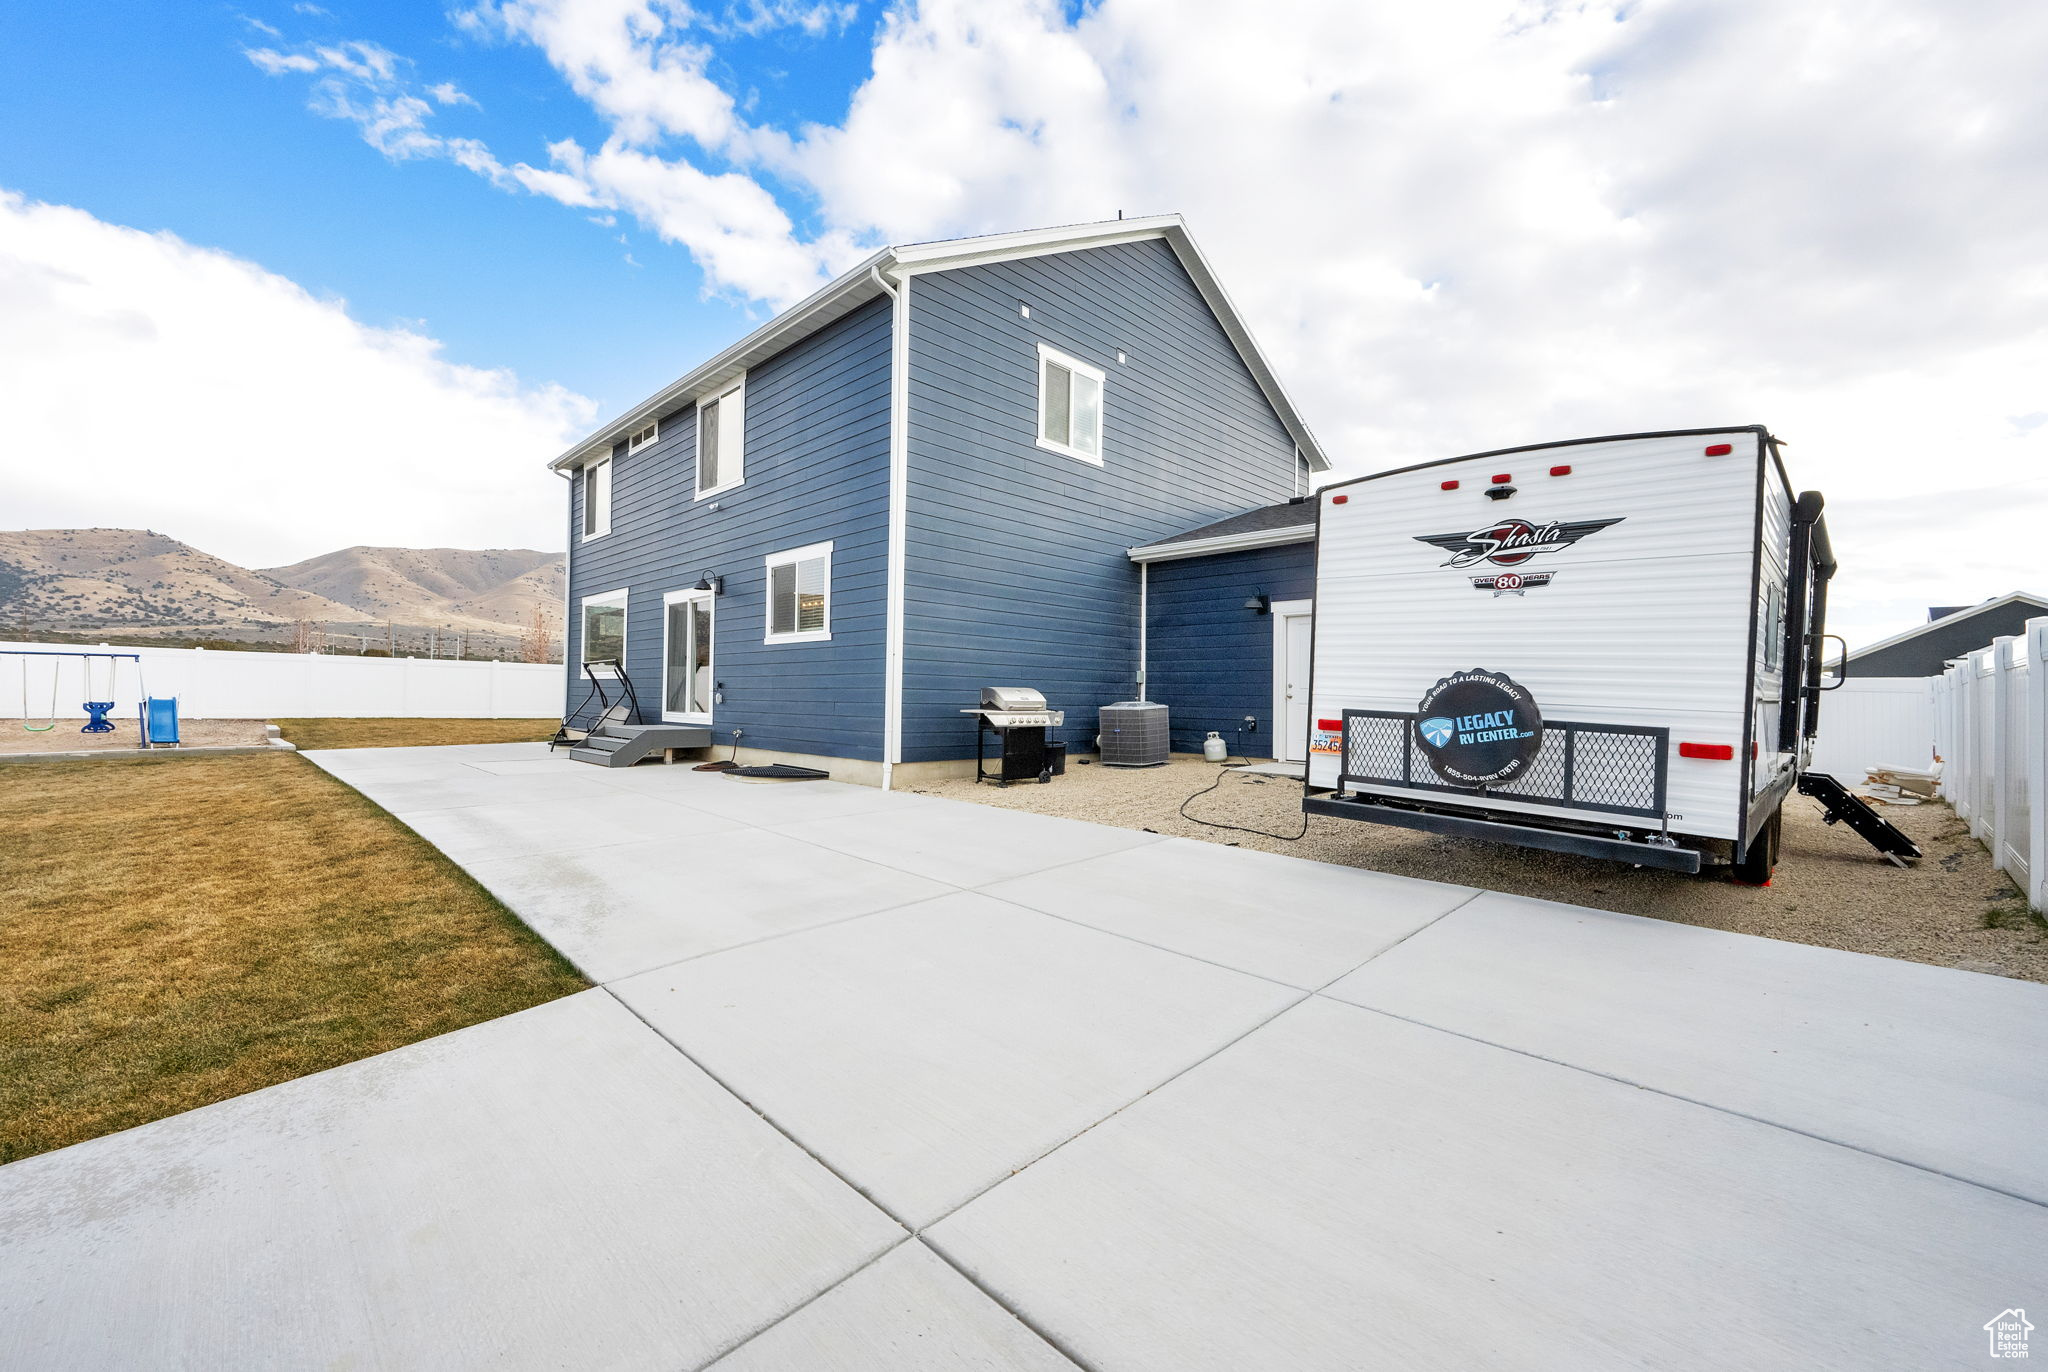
(1052, 459)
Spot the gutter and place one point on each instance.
(1223, 543)
(899, 518)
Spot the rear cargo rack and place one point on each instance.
(1613, 768)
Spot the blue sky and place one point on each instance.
(150, 115)
(278, 279)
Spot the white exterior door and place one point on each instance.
(1292, 620)
(686, 686)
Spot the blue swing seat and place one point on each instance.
(97, 721)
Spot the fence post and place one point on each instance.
(2003, 814)
(1959, 780)
(2037, 763)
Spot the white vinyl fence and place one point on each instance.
(240, 685)
(1991, 726)
(1875, 721)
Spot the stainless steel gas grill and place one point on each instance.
(1019, 717)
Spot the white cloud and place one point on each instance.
(278, 63)
(155, 383)
(1464, 227)
(448, 93)
(1456, 226)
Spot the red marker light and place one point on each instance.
(1503, 479)
(1560, 471)
(1339, 499)
(1330, 725)
(1720, 449)
(1708, 752)
(1450, 486)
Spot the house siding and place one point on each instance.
(1211, 659)
(1928, 652)
(817, 469)
(1016, 570)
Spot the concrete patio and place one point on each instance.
(881, 1081)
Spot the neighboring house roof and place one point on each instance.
(1269, 526)
(1923, 649)
(863, 283)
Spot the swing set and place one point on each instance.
(158, 715)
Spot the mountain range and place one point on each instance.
(140, 583)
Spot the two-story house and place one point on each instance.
(1053, 459)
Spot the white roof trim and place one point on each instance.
(1958, 617)
(855, 288)
(1224, 543)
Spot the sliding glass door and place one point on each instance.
(686, 686)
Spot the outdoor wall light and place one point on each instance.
(1260, 604)
(708, 582)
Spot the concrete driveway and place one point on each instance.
(880, 1081)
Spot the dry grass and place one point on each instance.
(412, 733)
(180, 930)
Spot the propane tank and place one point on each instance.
(1213, 749)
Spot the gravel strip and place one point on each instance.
(1953, 910)
(66, 738)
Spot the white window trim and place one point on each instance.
(739, 389)
(769, 564)
(1072, 364)
(652, 428)
(583, 476)
(676, 598)
(618, 598)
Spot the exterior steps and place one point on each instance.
(622, 745)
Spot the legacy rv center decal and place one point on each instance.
(1478, 728)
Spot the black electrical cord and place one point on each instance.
(1228, 770)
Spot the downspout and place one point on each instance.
(572, 476)
(899, 506)
(1144, 589)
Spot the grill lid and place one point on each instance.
(1011, 698)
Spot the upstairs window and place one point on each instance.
(643, 436)
(597, 498)
(1069, 406)
(721, 440)
(800, 595)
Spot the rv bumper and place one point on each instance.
(1494, 831)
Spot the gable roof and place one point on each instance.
(1956, 617)
(1269, 526)
(864, 283)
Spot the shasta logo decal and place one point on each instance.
(1511, 542)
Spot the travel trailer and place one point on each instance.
(1610, 647)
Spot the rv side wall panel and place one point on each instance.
(1643, 622)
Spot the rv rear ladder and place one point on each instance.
(1842, 804)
